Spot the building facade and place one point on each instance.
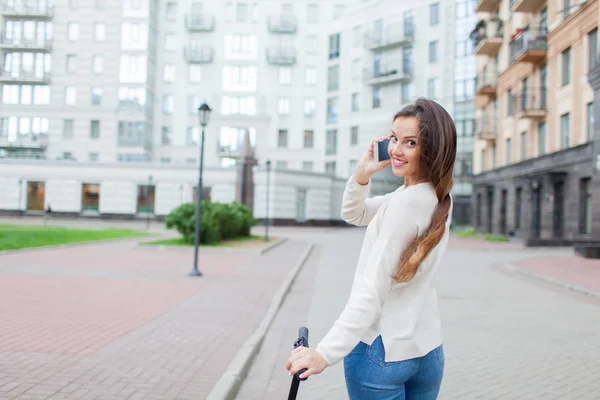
(535, 159)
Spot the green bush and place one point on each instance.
(219, 221)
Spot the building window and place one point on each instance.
(68, 129)
(165, 136)
(284, 106)
(334, 46)
(333, 78)
(145, 199)
(566, 8)
(93, 157)
(169, 73)
(566, 66)
(310, 106)
(99, 32)
(236, 105)
(434, 14)
(542, 139)
(242, 12)
(312, 13)
(195, 73)
(376, 97)
(279, 164)
(508, 151)
(98, 64)
(255, 12)
(494, 153)
(171, 12)
(585, 207)
(310, 76)
(565, 130)
(238, 78)
(168, 104)
(73, 31)
(330, 167)
(241, 47)
(71, 63)
(282, 138)
(331, 143)
(592, 49)
(285, 75)
(311, 44)
(355, 102)
(509, 102)
(133, 68)
(353, 135)
(94, 129)
(405, 89)
(518, 208)
(134, 36)
(170, 42)
(307, 166)
(192, 136)
(523, 145)
(96, 96)
(332, 110)
(432, 88)
(590, 120)
(70, 95)
(338, 9)
(194, 104)
(309, 139)
(433, 51)
(356, 36)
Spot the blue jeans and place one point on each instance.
(368, 376)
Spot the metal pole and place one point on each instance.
(267, 206)
(148, 190)
(20, 196)
(195, 271)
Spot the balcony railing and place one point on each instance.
(33, 142)
(42, 10)
(529, 46)
(387, 74)
(487, 37)
(200, 22)
(391, 37)
(24, 44)
(196, 54)
(283, 23)
(23, 76)
(281, 55)
(486, 84)
(527, 6)
(486, 127)
(487, 5)
(531, 103)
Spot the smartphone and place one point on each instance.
(380, 150)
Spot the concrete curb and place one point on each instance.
(555, 282)
(231, 381)
(215, 250)
(68, 245)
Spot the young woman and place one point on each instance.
(389, 333)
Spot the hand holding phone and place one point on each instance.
(380, 150)
(374, 160)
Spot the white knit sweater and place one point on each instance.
(404, 314)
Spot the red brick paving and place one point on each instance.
(573, 270)
(115, 321)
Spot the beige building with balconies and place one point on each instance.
(534, 156)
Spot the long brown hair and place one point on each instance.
(437, 139)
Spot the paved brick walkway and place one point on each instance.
(506, 336)
(117, 321)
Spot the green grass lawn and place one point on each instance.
(14, 237)
(246, 242)
(471, 233)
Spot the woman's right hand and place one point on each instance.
(368, 166)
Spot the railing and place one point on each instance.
(485, 80)
(391, 70)
(33, 141)
(23, 76)
(20, 9)
(528, 40)
(23, 43)
(392, 35)
(198, 54)
(200, 22)
(283, 23)
(486, 127)
(487, 29)
(531, 100)
(281, 55)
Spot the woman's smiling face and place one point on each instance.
(404, 149)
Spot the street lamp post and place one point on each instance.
(267, 201)
(148, 205)
(20, 196)
(203, 116)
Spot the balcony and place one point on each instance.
(281, 55)
(486, 128)
(486, 84)
(392, 37)
(282, 23)
(529, 46)
(528, 6)
(199, 22)
(31, 77)
(42, 11)
(487, 37)
(387, 74)
(530, 104)
(487, 5)
(24, 142)
(22, 44)
(196, 54)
